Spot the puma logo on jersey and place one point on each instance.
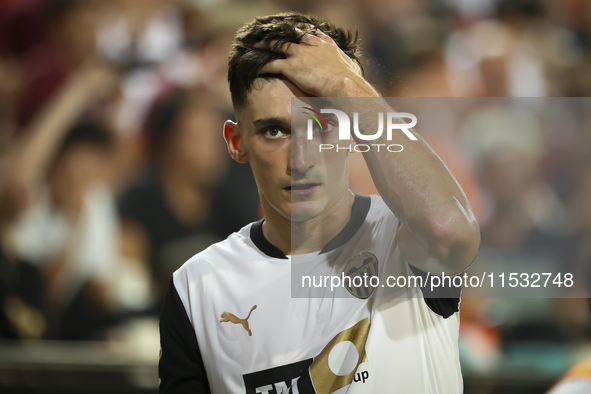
(227, 316)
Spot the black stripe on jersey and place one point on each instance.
(444, 300)
(258, 238)
(358, 214)
(180, 368)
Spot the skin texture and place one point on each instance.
(280, 157)
(439, 232)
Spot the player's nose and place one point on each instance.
(302, 154)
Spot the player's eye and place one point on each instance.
(331, 125)
(273, 132)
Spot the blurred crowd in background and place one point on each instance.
(113, 169)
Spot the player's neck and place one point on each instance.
(293, 237)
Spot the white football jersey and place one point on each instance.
(230, 323)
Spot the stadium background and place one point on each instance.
(113, 169)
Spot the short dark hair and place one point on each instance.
(246, 61)
(163, 117)
(87, 131)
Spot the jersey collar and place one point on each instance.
(358, 214)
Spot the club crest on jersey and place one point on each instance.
(360, 269)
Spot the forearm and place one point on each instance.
(415, 184)
(422, 193)
(419, 189)
(46, 133)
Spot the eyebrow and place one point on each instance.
(331, 117)
(272, 121)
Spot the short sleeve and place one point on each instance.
(443, 300)
(180, 368)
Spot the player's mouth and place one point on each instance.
(302, 189)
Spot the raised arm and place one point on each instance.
(41, 140)
(439, 232)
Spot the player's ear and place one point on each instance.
(234, 141)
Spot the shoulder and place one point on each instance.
(197, 279)
(219, 255)
(380, 213)
(378, 205)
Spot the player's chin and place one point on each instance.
(303, 210)
(304, 205)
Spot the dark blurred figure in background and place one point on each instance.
(20, 282)
(68, 41)
(70, 233)
(181, 205)
(59, 230)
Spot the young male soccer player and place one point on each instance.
(230, 325)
